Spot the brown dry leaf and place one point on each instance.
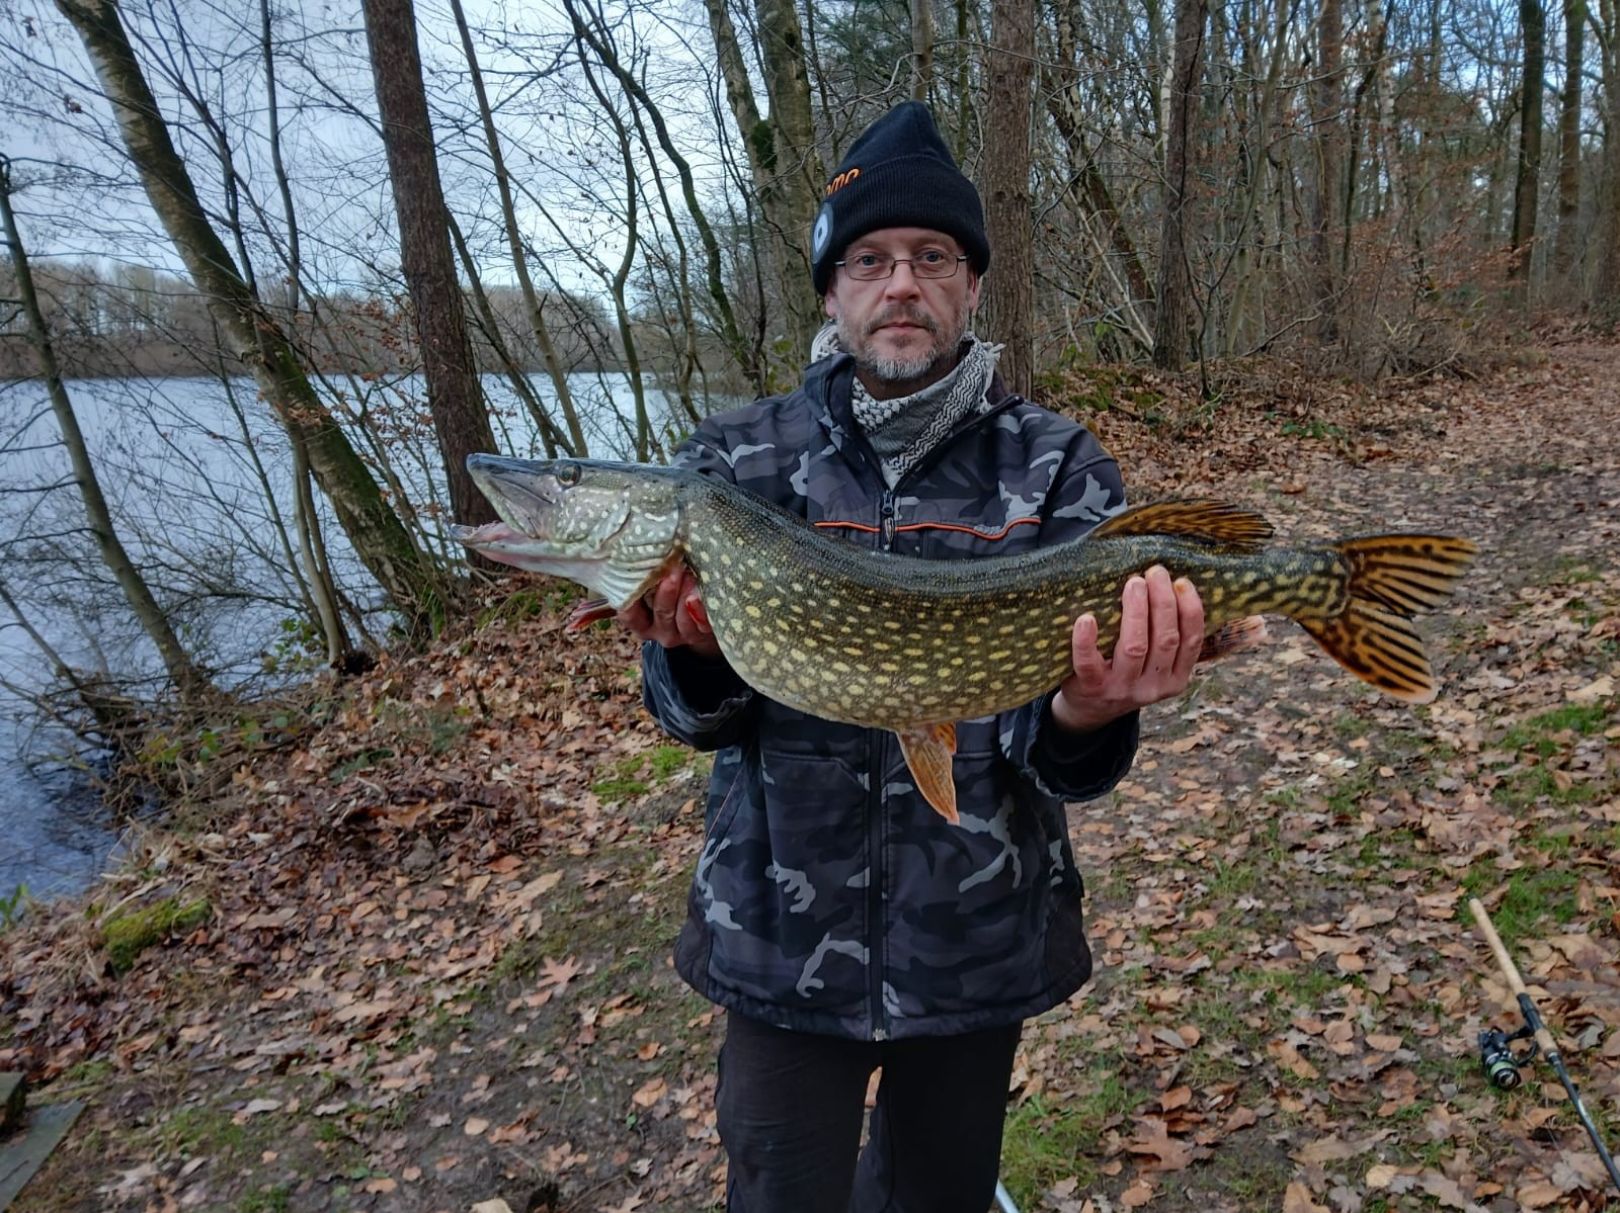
(650, 1092)
(1176, 1097)
(649, 1051)
(1288, 1057)
(380, 1186)
(1297, 1199)
(1153, 1139)
(475, 1126)
(628, 1205)
(1444, 1189)
(1137, 1195)
(1337, 1149)
(556, 974)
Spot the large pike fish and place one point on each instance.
(895, 642)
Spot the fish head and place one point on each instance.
(611, 527)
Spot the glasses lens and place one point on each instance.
(869, 266)
(933, 265)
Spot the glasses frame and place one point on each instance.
(956, 266)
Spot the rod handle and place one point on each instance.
(1510, 970)
(1503, 960)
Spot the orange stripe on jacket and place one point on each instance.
(939, 526)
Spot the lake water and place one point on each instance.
(184, 464)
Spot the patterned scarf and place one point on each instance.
(903, 430)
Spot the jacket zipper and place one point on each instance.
(886, 514)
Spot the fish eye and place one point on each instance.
(567, 474)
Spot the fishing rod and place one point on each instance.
(1496, 1054)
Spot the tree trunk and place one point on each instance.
(1170, 318)
(187, 678)
(1569, 137)
(1606, 293)
(922, 49)
(380, 541)
(1327, 192)
(1009, 221)
(455, 398)
(793, 169)
(1527, 176)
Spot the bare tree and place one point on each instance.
(1174, 285)
(379, 539)
(1527, 176)
(454, 396)
(1010, 288)
(1569, 136)
(188, 679)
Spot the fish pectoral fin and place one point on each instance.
(928, 752)
(1219, 525)
(1236, 637)
(586, 612)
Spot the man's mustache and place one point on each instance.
(911, 316)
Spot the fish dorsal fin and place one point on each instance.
(1216, 524)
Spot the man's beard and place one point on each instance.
(939, 355)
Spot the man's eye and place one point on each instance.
(868, 260)
(932, 256)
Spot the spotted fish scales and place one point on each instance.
(870, 638)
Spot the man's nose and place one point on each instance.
(902, 287)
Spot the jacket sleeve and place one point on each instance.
(1075, 766)
(697, 700)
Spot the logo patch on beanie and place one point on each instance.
(822, 232)
(844, 178)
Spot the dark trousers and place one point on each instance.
(790, 1104)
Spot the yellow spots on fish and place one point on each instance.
(947, 627)
(752, 611)
(841, 667)
(958, 660)
(889, 667)
(913, 652)
(1029, 670)
(773, 603)
(772, 648)
(892, 625)
(796, 586)
(879, 646)
(756, 585)
(1000, 655)
(725, 559)
(1007, 629)
(976, 675)
(854, 650)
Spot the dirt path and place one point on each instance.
(436, 965)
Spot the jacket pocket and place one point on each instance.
(781, 884)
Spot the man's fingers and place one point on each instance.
(1131, 650)
(1190, 624)
(1164, 633)
(1090, 670)
(665, 596)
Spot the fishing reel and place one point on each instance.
(1501, 1063)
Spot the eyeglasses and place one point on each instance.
(930, 263)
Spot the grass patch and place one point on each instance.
(1531, 896)
(1043, 1143)
(125, 936)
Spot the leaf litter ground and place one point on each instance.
(435, 967)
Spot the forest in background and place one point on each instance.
(1371, 188)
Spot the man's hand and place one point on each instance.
(672, 613)
(1161, 632)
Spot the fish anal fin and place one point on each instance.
(1216, 524)
(1236, 637)
(928, 753)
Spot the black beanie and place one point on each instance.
(899, 173)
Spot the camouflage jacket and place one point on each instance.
(829, 897)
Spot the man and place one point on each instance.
(840, 921)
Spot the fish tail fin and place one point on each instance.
(1392, 578)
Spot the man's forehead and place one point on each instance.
(887, 238)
